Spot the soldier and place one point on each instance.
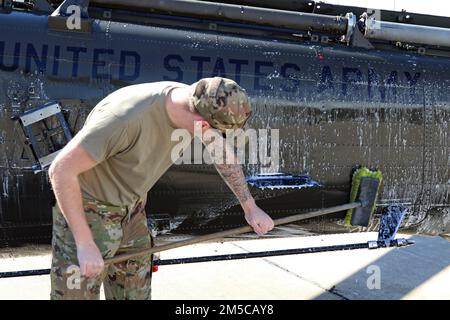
(101, 179)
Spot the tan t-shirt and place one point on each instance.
(129, 134)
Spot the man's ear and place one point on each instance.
(205, 125)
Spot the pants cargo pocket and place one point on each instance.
(105, 224)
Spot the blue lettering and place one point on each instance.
(326, 80)
(258, 75)
(375, 79)
(16, 56)
(219, 69)
(76, 58)
(173, 68)
(350, 77)
(41, 62)
(56, 55)
(412, 80)
(200, 61)
(123, 64)
(239, 63)
(97, 63)
(292, 76)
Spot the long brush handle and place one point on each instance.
(231, 232)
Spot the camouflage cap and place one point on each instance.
(221, 102)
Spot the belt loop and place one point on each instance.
(137, 207)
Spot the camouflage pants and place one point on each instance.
(115, 231)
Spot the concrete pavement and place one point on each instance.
(421, 271)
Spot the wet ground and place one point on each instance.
(421, 271)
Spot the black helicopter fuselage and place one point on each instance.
(336, 107)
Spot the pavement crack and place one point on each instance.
(332, 290)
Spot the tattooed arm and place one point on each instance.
(234, 177)
(232, 174)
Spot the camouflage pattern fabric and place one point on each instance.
(221, 102)
(116, 231)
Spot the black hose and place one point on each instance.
(353, 246)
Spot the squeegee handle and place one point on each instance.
(231, 232)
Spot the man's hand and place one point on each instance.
(258, 219)
(90, 260)
(232, 174)
(70, 162)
